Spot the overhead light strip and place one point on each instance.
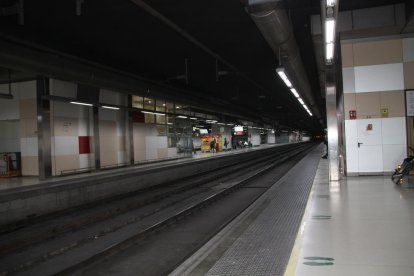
(110, 107)
(330, 13)
(153, 113)
(330, 3)
(79, 103)
(284, 77)
(281, 72)
(329, 30)
(295, 93)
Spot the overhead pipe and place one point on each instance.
(272, 21)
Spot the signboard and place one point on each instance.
(352, 114)
(384, 112)
(409, 101)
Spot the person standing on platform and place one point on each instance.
(193, 147)
(213, 145)
(325, 141)
(225, 143)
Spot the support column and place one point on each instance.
(130, 130)
(96, 144)
(332, 124)
(43, 128)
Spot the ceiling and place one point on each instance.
(214, 34)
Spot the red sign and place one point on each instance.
(84, 146)
(352, 114)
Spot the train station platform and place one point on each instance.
(24, 182)
(357, 226)
(30, 197)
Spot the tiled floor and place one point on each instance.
(358, 226)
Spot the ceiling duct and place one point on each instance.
(271, 19)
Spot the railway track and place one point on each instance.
(82, 240)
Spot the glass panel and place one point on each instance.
(162, 131)
(137, 101)
(160, 119)
(172, 139)
(149, 118)
(160, 106)
(170, 107)
(170, 120)
(149, 104)
(182, 109)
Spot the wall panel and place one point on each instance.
(379, 78)
(409, 75)
(393, 155)
(370, 159)
(347, 55)
(351, 133)
(65, 163)
(352, 163)
(394, 131)
(378, 52)
(368, 105)
(393, 101)
(348, 78)
(30, 165)
(408, 49)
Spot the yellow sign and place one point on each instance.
(384, 112)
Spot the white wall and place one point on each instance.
(384, 77)
(254, 136)
(271, 139)
(225, 132)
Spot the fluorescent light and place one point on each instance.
(221, 124)
(193, 118)
(329, 30)
(153, 113)
(294, 92)
(87, 104)
(169, 123)
(330, 3)
(229, 124)
(110, 107)
(301, 101)
(177, 107)
(329, 51)
(283, 76)
(184, 117)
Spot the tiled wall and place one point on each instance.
(112, 130)
(68, 123)
(375, 74)
(9, 121)
(72, 127)
(18, 124)
(148, 145)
